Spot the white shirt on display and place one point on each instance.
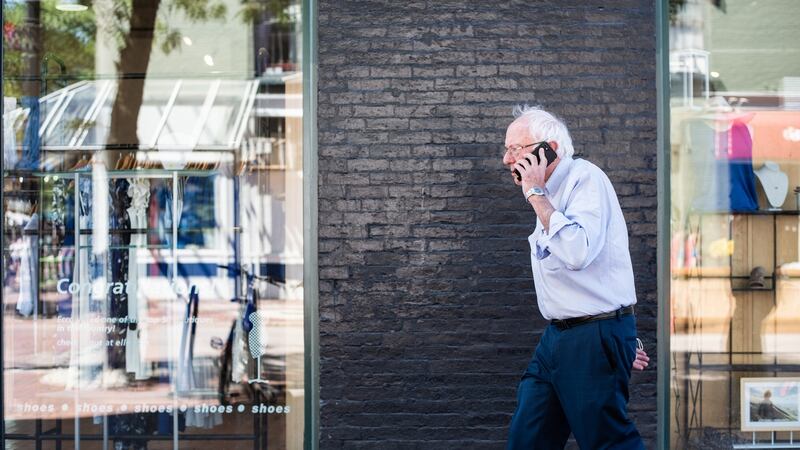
(582, 265)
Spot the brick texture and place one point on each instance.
(427, 308)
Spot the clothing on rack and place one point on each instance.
(62, 218)
(136, 344)
(239, 352)
(31, 142)
(118, 259)
(10, 115)
(82, 353)
(118, 254)
(165, 220)
(29, 268)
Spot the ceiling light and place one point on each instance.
(70, 6)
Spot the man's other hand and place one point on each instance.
(641, 361)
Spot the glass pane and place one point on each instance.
(152, 232)
(735, 259)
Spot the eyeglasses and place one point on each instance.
(516, 149)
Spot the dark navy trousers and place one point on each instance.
(577, 381)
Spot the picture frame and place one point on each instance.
(770, 404)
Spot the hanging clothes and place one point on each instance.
(10, 115)
(31, 142)
(29, 268)
(80, 306)
(118, 308)
(239, 352)
(119, 241)
(136, 344)
(739, 150)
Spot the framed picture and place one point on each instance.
(770, 404)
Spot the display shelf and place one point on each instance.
(693, 366)
(143, 173)
(47, 231)
(760, 212)
(129, 247)
(740, 367)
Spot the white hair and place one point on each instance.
(545, 126)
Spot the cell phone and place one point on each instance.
(549, 153)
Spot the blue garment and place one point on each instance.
(581, 265)
(721, 172)
(30, 141)
(742, 192)
(577, 381)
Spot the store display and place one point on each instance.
(120, 195)
(775, 184)
(721, 151)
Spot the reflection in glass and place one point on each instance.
(735, 245)
(152, 237)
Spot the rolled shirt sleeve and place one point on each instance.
(576, 236)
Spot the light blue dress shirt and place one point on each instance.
(582, 265)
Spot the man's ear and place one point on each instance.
(554, 145)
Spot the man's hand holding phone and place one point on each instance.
(532, 171)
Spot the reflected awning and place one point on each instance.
(182, 114)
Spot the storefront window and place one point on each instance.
(152, 224)
(735, 246)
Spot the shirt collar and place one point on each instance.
(558, 175)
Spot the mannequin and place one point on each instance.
(775, 184)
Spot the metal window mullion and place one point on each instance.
(167, 110)
(310, 229)
(663, 278)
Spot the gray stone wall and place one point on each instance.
(427, 308)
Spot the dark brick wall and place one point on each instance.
(427, 309)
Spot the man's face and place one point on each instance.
(516, 135)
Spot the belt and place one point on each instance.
(563, 324)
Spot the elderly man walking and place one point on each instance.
(577, 379)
